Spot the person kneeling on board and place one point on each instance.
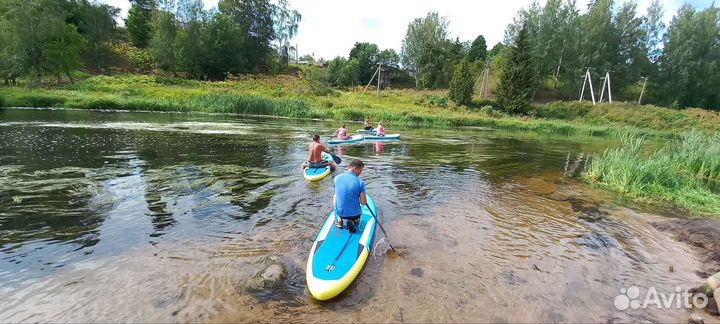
(349, 195)
(380, 129)
(316, 160)
(341, 133)
(367, 125)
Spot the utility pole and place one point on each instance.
(643, 90)
(587, 79)
(379, 77)
(372, 78)
(485, 79)
(557, 71)
(606, 82)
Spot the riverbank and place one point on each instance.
(684, 173)
(296, 97)
(702, 234)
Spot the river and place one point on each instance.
(163, 217)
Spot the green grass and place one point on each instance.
(299, 98)
(683, 172)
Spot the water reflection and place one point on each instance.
(164, 217)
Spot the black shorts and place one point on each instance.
(317, 165)
(368, 128)
(352, 218)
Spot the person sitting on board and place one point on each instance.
(368, 125)
(349, 195)
(341, 133)
(380, 130)
(316, 160)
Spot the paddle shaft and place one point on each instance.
(381, 228)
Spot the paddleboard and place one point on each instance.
(352, 139)
(317, 174)
(337, 256)
(366, 131)
(386, 137)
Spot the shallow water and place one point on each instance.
(146, 217)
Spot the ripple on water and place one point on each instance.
(160, 218)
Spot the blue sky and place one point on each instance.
(330, 27)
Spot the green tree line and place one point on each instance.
(546, 48)
(58, 37)
(681, 61)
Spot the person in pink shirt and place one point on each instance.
(380, 129)
(342, 133)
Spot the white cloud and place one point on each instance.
(329, 28)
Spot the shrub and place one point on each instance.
(38, 100)
(430, 100)
(566, 110)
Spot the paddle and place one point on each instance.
(382, 228)
(336, 158)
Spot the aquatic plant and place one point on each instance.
(683, 172)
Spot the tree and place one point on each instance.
(191, 49)
(138, 26)
(189, 10)
(39, 34)
(654, 28)
(343, 72)
(424, 39)
(97, 25)
(62, 49)
(366, 55)
(350, 73)
(224, 44)
(690, 73)
(496, 50)
(163, 44)
(633, 62)
(461, 86)
(598, 48)
(286, 24)
(389, 57)
(517, 83)
(478, 49)
(254, 19)
(10, 61)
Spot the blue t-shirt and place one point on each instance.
(348, 188)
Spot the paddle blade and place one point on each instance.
(336, 159)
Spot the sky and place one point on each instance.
(330, 28)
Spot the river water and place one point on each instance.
(149, 217)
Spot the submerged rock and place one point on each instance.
(712, 306)
(417, 272)
(272, 275)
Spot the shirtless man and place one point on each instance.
(316, 148)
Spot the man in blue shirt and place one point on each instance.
(349, 195)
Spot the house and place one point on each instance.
(395, 77)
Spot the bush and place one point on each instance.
(566, 110)
(430, 100)
(461, 85)
(39, 100)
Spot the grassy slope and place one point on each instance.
(293, 97)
